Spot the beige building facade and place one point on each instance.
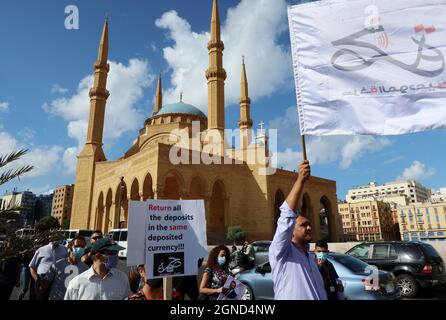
(367, 221)
(423, 221)
(179, 154)
(62, 204)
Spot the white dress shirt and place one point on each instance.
(90, 286)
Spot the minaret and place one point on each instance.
(158, 97)
(83, 217)
(216, 75)
(99, 94)
(245, 123)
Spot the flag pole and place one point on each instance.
(304, 147)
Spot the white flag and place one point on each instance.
(369, 67)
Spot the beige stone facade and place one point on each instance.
(367, 220)
(423, 221)
(236, 192)
(62, 204)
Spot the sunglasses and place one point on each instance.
(97, 237)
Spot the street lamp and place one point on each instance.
(121, 187)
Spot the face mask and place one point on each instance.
(112, 262)
(78, 252)
(322, 255)
(221, 261)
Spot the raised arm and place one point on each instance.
(294, 196)
(288, 215)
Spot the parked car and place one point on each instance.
(261, 249)
(415, 264)
(353, 273)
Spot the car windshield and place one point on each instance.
(351, 263)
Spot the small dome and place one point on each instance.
(180, 107)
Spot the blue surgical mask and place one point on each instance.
(322, 255)
(112, 262)
(78, 252)
(221, 261)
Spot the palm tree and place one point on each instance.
(13, 173)
(10, 213)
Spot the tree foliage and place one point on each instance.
(13, 173)
(236, 234)
(9, 218)
(47, 224)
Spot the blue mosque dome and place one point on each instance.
(180, 107)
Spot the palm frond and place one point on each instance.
(15, 155)
(12, 174)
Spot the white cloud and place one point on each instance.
(69, 159)
(126, 84)
(7, 143)
(393, 160)
(325, 149)
(57, 89)
(358, 145)
(43, 158)
(252, 29)
(288, 128)
(45, 190)
(27, 134)
(4, 106)
(417, 171)
(154, 47)
(289, 159)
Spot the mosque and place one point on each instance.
(180, 153)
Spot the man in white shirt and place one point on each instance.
(102, 281)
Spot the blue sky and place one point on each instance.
(45, 74)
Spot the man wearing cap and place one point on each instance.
(95, 236)
(102, 281)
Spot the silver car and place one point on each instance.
(354, 273)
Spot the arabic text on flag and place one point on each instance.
(365, 67)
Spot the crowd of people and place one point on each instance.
(88, 271)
